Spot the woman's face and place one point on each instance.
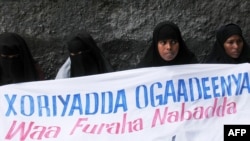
(168, 49)
(233, 46)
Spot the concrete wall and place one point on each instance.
(121, 28)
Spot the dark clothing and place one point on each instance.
(218, 53)
(86, 58)
(167, 30)
(16, 62)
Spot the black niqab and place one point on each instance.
(87, 58)
(16, 62)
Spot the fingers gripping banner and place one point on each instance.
(174, 103)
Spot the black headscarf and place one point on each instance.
(88, 58)
(167, 30)
(218, 53)
(16, 61)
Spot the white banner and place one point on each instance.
(173, 103)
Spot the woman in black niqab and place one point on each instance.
(85, 58)
(167, 30)
(218, 53)
(16, 62)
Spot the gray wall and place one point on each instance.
(121, 28)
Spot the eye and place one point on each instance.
(162, 42)
(174, 41)
(77, 53)
(13, 56)
(239, 41)
(3, 56)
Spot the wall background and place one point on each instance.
(121, 28)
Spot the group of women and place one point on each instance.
(85, 58)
